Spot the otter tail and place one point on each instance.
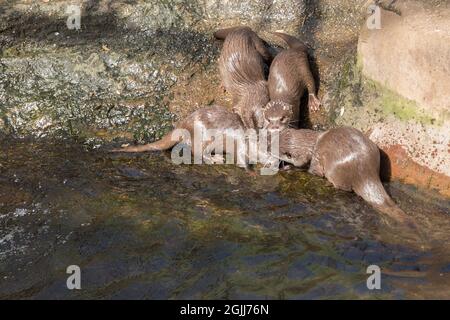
(291, 41)
(165, 143)
(223, 33)
(373, 192)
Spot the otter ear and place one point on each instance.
(258, 118)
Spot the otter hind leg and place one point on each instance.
(316, 168)
(340, 183)
(339, 179)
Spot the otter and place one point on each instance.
(225, 123)
(274, 116)
(289, 76)
(241, 66)
(217, 118)
(346, 158)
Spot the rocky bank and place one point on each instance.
(136, 66)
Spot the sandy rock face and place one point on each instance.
(410, 54)
(409, 60)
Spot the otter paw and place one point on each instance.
(314, 103)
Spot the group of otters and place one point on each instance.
(344, 156)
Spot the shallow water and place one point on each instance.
(140, 227)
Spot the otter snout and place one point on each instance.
(273, 126)
(277, 116)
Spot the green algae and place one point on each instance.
(391, 103)
(364, 101)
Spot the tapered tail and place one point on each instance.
(291, 41)
(374, 193)
(164, 144)
(223, 33)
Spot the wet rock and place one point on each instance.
(130, 70)
(112, 78)
(133, 67)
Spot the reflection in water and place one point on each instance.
(140, 227)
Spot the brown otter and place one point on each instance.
(275, 116)
(289, 76)
(346, 158)
(272, 117)
(241, 66)
(228, 125)
(217, 118)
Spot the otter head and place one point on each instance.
(275, 116)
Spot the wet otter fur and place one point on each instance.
(346, 158)
(225, 123)
(275, 116)
(215, 118)
(290, 75)
(241, 65)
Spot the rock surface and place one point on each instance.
(135, 66)
(407, 102)
(410, 54)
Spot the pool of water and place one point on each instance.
(140, 227)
